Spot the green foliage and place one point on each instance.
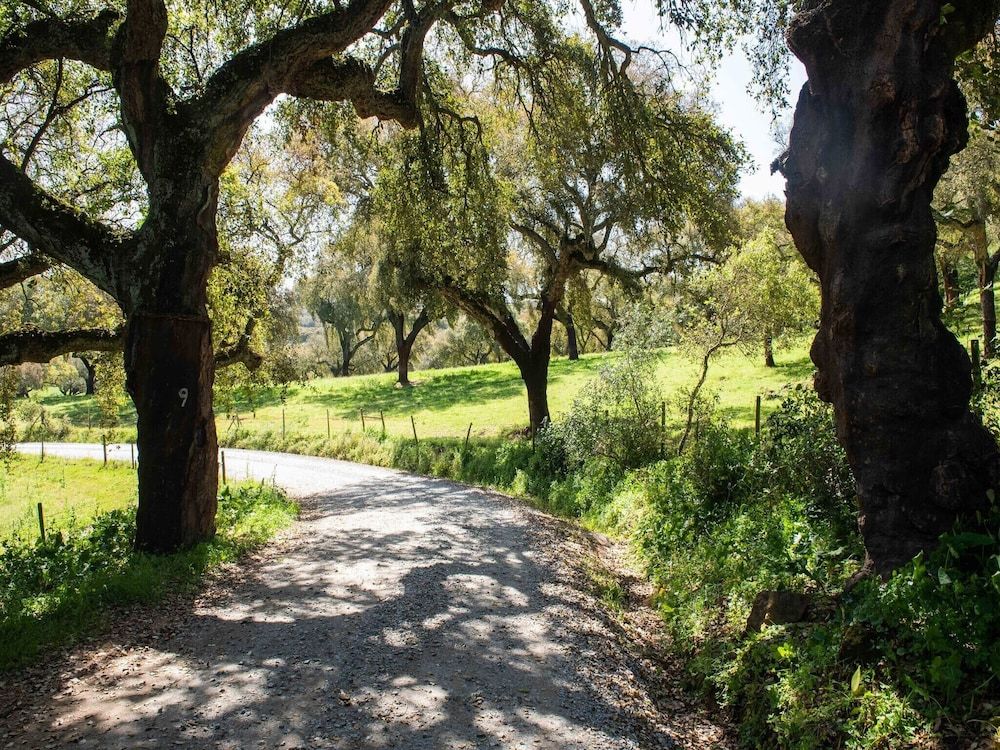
(616, 416)
(8, 429)
(55, 591)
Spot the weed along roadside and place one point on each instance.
(73, 580)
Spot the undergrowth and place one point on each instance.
(56, 591)
(912, 661)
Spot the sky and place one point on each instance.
(748, 119)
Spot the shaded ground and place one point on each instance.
(401, 612)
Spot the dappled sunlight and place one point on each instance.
(405, 613)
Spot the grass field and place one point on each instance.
(444, 402)
(69, 490)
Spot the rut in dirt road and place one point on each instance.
(400, 612)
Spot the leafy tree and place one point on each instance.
(338, 297)
(183, 88)
(586, 181)
(774, 292)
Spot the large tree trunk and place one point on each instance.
(987, 267)
(403, 352)
(170, 371)
(874, 129)
(571, 345)
(405, 341)
(535, 374)
(949, 280)
(769, 352)
(91, 375)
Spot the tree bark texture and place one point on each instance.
(169, 369)
(769, 352)
(874, 128)
(950, 282)
(405, 341)
(90, 379)
(572, 347)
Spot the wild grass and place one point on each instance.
(67, 587)
(69, 491)
(444, 403)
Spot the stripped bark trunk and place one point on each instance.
(769, 352)
(874, 129)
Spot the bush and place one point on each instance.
(53, 591)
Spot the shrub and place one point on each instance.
(52, 591)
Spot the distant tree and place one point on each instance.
(967, 207)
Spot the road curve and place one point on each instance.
(399, 612)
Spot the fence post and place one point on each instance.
(223, 467)
(381, 415)
(416, 442)
(977, 367)
(468, 432)
(131, 454)
(104, 445)
(282, 422)
(43, 451)
(363, 427)
(41, 522)
(327, 424)
(756, 418)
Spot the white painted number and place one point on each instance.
(183, 393)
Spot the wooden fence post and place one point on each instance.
(104, 445)
(282, 423)
(756, 418)
(415, 440)
(363, 426)
(468, 433)
(41, 522)
(42, 459)
(382, 417)
(327, 424)
(131, 454)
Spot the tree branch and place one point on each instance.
(241, 88)
(59, 231)
(35, 345)
(142, 91)
(87, 40)
(15, 271)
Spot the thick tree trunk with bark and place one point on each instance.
(949, 280)
(769, 352)
(405, 341)
(874, 129)
(572, 349)
(536, 382)
(91, 375)
(169, 366)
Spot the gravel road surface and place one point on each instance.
(399, 612)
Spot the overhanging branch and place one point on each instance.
(20, 269)
(87, 40)
(35, 345)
